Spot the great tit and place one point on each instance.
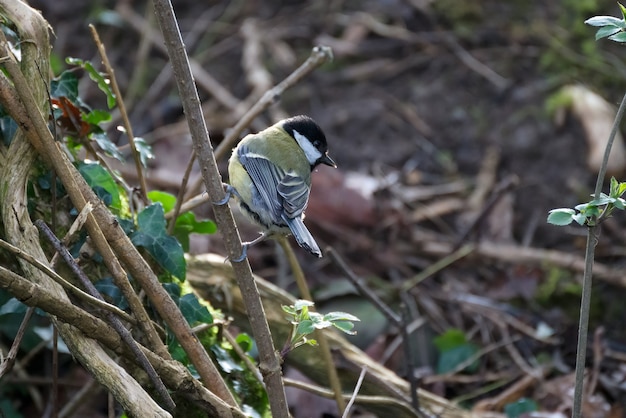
(270, 174)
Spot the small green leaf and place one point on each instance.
(450, 339)
(305, 327)
(302, 303)
(193, 311)
(450, 359)
(96, 76)
(97, 116)
(13, 306)
(580, 219)
(289, 309)
(168, 200)
(340, 316)
(618, 37)
(245, 342)
(619, 203)
(98, 178)
(65, 85)
(605, 21)
(623, 10)
(152, 235)
(345, 326)
(109, 148)
(520, 407)
(145, 150)
(606, 31)
(561, 217)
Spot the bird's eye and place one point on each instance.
(317, 143)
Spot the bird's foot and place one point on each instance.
(230, 191)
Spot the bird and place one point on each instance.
(270, 175)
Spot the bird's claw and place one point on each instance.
(230, 191)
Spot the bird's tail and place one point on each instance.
(303, 236)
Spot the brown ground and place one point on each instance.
(420, 98)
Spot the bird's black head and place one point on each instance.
(311, 139)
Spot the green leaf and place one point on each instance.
(186, 224)
(98, 178)
(605, 21)
(340, 316)
(144, 150)
(193, 311)
(289, 309)
(305, 327)
(168, 200)
(12, 306)
(302, 303)
(65, 85)
(619, 203)
(96, 76)
(109, 148)
(245, 342)
(623, 10)
(580, 219)
(519, 407)
(618, 37)
(152, 235)
(107, 287)
(450, 359)
(345, 326)
(561, 217)
(97, 116)
(8, 128)
(606, 31)
(450, 339)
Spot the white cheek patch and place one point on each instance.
(312, 153)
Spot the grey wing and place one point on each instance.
(295, 194)
(284, 194)
(266, 177)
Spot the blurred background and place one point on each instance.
(452, 123)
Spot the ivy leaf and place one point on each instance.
(193, 311)
(145, 150)
(100, 179)
(107, 287)
(109, 148)
(65, 85)
(520, 407)
(96, 76)
(152, 235)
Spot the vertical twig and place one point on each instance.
(269, 362)
(305, 293)
(388, 313)
(120, 102)
(585, 302)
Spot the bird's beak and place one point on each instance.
(325, 159)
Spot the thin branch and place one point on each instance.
(8, 362)
(585, 302)
(112, 320)
(67, 285)
(391, 316)
(270, 364)
(355, 392)
(319, 55)
(120, 103)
